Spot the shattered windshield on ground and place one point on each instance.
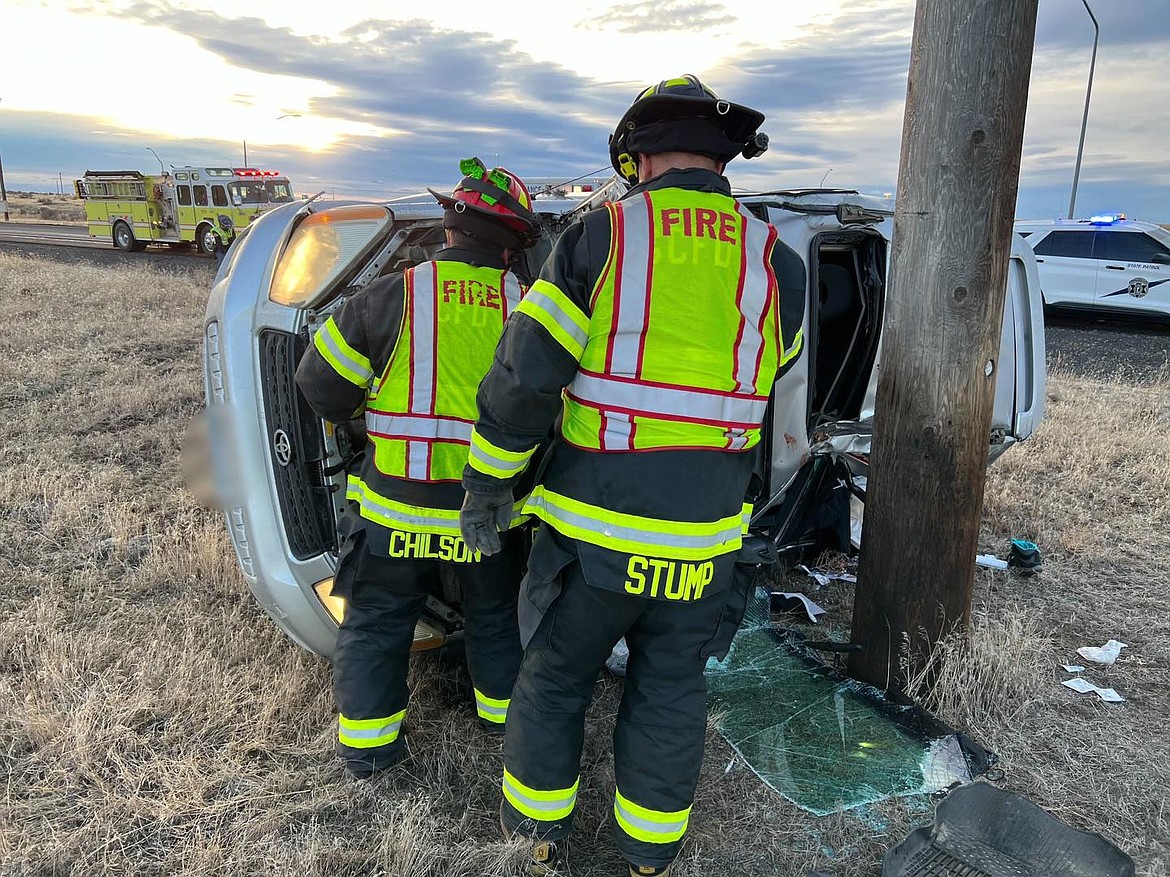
(824, 742)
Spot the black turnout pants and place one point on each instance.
(661, 723)
(385, 597)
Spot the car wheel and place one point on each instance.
(123, 237)
(206, 239)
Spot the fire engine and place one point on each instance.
(179, 206)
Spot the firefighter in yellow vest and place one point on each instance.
(656, 330)
(407, 354)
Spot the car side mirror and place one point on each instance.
(1161, 258)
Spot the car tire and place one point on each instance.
(123, 237)
(206, 239)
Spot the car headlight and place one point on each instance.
(427, 634)
(322, 248)
(334, 605)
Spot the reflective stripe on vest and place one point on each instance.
(634, 534)
(691, 339)
(411, 518)
(637, 398)
(423, 406)
(425, 427)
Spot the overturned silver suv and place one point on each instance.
(281, 471)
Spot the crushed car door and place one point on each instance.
(1021, 381)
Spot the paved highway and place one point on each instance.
(47, 233)
(72, 243)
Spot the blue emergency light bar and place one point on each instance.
(1106, 218)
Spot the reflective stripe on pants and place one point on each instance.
(649, 826)
(540, 805)
(368, 733)
(491, 709)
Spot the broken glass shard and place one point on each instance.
(825, 742)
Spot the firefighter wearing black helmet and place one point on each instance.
(406, 355)
(655, 332)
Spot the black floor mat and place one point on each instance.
(982, 831)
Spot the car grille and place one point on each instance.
(294, 439)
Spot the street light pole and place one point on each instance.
(161, 168)
(1072, 200)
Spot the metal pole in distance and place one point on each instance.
(1072, 198)
(962, 137)
(3, 191)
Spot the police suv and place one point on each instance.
(1106, 264)
(281, 471)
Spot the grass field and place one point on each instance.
(42, 207)
(154, 722)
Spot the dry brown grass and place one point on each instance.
(42, 207)
(153, 721)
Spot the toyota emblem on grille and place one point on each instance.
(282, 447)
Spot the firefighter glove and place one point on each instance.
(483, 517)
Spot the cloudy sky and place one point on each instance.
(381, 98)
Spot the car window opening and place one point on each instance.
(846, 293)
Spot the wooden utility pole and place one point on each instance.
(961, 143)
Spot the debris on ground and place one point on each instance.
(1083, 686)
(1025, 557)
(1073, 668)
(784, 601)
(824, 576)
(979, 829)
(1106, 654)
(990, 561)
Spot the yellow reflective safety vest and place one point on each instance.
(685, 336)
(421, 409)
(681, 350)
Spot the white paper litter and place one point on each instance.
(1084, 686)
(990, 561)
(1106, 654)
(823, 577)
(810, 608)
(1073, 668)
